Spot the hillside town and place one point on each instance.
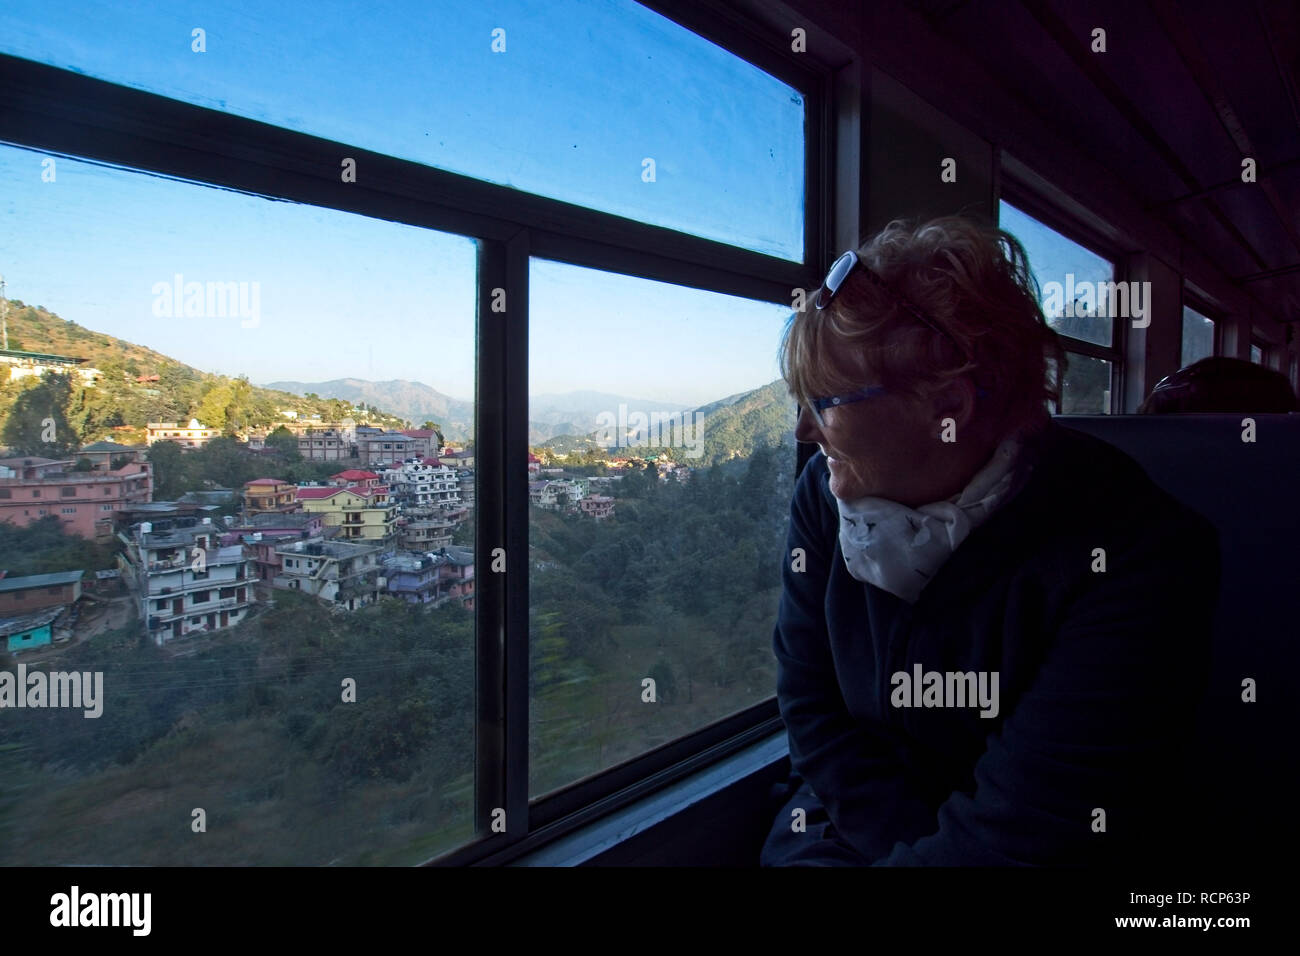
(382, 526)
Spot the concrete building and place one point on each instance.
(270, 496)
(102, 454)
(86, 502)
(597, 506)
(264, 535)
(186, 581)
(360, 514)
(21, 365)
(383, 448)
(193, 435)
(326, 444)
(337, 572)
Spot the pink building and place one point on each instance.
(597, 506)
(85, 501)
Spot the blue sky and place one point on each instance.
(582, 94)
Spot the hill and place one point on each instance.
(137, 385)
(413, 401)
(733, 428)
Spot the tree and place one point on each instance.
(169, 480)
(38, 421)
(285, 443)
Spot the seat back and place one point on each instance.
(1240, 782)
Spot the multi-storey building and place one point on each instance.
(360, 514)
(420, 482)
(597, 506)
(265, 534)
(186, 581)
(35, 364)
(102, 454)
(383, 448)
(326, 444)
(412, 577)
(270, 496)
(424, 442)
(341, 573)
(424, 529)
(85, 501)
(465, 485)
(455, 576)
(193, 435)
(557, 494)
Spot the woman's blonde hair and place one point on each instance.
(972, 281)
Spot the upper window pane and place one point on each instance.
(287, 642)
(1198, 337)
(1079, 296)
(601, 103)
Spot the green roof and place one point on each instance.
(107, 446)
(40, 580)
(44, 357)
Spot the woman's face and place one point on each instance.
(881, 447)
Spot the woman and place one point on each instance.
(993, 630)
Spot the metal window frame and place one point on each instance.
(1029, 201)
(58, 112)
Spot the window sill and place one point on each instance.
(727, 799)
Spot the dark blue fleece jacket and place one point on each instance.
(1099, 671)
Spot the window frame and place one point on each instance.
(1190, 300)
(1050, 213)
(56, 112)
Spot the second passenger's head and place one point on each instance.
(920, 352)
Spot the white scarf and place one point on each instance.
(899, 549)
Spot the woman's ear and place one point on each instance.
(956, 401)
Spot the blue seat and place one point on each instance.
(1240, 780)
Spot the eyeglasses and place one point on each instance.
(840, 271)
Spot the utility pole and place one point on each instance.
(4, 315)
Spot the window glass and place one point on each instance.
(1078, 291)
(313, 719)
(1198, 336)
(1087, 386)
(653, 590)
(1256, 354)
(601, 103)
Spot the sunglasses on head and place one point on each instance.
(834, 281)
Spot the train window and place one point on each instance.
(1256, 353)
(1081, 300)
(1198, 337)
(245, 711)
(280, 297)
(502, 94)
(652, 589)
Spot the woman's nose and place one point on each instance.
(806, 429)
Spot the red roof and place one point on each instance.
(532, 458)
(365, 492)
(310, 493)
(353, 475)
(431, 461)
(419, 433)
(266, 481)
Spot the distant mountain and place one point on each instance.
(413, 401)
(733, 427)
(576, 413)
